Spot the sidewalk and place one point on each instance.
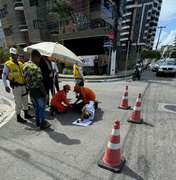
(99, 78)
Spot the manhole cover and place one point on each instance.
(170, 107)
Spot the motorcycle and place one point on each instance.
(137, 73)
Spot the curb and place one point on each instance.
(5, 116)
(99, 79)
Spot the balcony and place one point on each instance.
(18, 5)
(54, 32)
(23, 28)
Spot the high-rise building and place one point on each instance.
(139, 23)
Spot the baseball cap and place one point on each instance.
(76, 88)
(13, 51)
(67, 87)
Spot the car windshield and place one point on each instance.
(169, 63)
(159, 62)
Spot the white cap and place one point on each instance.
(13, 51)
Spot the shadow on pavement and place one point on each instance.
(61, 138)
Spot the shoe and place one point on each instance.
(53, 110)
(27, 116)
(47, 125)
(20, 119)
(96, 105)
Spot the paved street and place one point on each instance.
(70, 152)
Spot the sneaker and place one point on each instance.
(96, 105)
(47, 125)
(20, 119)
(53, 110)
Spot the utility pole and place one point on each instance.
(115, 29)
(161, 27)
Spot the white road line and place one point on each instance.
(10, 115)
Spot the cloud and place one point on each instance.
(168, 10)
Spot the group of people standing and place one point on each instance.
(37, 78)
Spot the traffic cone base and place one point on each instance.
(135, 121)
(115, 169)
(126, 108)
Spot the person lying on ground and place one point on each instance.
(88, 111)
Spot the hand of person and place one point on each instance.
(7, 89)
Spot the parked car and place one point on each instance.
(167, 67)
(1, 69)
(156, 65)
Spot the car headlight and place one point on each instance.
(160, 69)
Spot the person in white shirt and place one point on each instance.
(88, 111)
(56, 75)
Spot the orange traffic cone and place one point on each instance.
(112, 158)
(135, 116)
(124, 101)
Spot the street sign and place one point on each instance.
(111, 35)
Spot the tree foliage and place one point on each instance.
(4, 56)
(151, 54)
(63, 9)
(173, 54)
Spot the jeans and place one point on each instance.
(39, 105)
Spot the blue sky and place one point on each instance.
(167, 18)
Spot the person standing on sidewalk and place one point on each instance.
(39, 96)
(13, 72)
(78, 75)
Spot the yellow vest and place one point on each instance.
(76, 72)
(15, 71)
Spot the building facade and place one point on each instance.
(139, 24)
(82, 26)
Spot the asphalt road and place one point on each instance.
(70, 152)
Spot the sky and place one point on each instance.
(168, 19)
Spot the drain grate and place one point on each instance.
(170, 107)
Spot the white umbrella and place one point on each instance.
(55, 50)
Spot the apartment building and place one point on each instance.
(84, 31)
(139, 23)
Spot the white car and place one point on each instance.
(167, 67)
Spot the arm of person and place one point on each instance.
(65, 100)
(4, 78)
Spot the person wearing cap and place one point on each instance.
(58, 99)
(39, 96)
(84, 95)
(13, 72)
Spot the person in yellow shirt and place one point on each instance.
(12, 71)
(78, 75)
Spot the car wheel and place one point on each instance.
(157, 74)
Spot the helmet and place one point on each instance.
(76, 88)
(139, 61)
(67, 87)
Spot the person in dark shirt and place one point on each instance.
(48, 75)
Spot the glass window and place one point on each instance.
(37, 24)
(33, 2)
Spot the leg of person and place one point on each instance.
(41, 104)
(25, 102)
(36, 109)
(47, 90)
(57, 85)
(18, 103)
(60, 108)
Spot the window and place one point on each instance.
(8, 31)
(37, 24)
(33, 2)
(3, 11)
